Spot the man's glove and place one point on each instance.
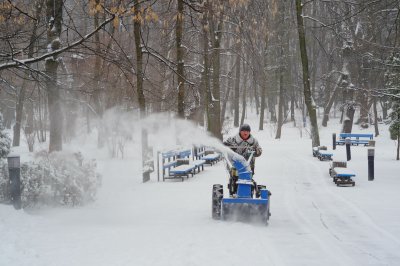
(248, 153)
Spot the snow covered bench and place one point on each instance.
(185, 155)
(174, 167)
(178, 164)
(198, 152)
(325, 155)
(341, 174)
(211, 157)
(199, 165)
(322, 153)
(355, 139)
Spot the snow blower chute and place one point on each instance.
(247, 201)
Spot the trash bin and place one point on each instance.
(14, 169)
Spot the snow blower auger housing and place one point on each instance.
(247, 201)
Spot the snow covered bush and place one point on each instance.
(5, 141)
(59, 178)
(4, 192)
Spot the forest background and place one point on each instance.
(63, 64)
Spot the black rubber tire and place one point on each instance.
(217, 195)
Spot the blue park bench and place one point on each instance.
(355, 138)
(198, 152)
(322, 153)
(341, 175)
(184, 157)
(177, 164)
(211, 157)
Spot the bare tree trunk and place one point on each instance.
(263, 72)
(256, 98)
(139, 88)
(244, 98)
(375, 118)
(237, 89)
(272, 105)
(281, 100)
(228, 91)
(364, 109)
(206, 72)
(330, 102)
(348, 111)
(306, 77)
(385, 107)
(215, 105)
(21, 96)
(280, 104)
(42, 104)
(18, 116)
(348, 121)
(139, 60)
(29, 129)
(179, 59)
(243, 107)
(262, 106)
(97, 90)
(54, 10)
(292, 101)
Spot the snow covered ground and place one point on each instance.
(313, 221)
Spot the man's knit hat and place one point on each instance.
(244, 127)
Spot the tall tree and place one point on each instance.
(282, 68)
(264, 82)
(38, 5)
(216, 10)
(54, 10)
(311, 108)
(237, 86)
(97, 84)
(137, 21)
(180, 59)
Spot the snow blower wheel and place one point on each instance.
(217, 195)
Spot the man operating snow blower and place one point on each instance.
(247, 200)
(247, 146)
(244, 144)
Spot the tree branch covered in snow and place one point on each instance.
(18, 63)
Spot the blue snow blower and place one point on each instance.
(247, 201)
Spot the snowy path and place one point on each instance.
(313, 222)
(330, 228)
(297, 205)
